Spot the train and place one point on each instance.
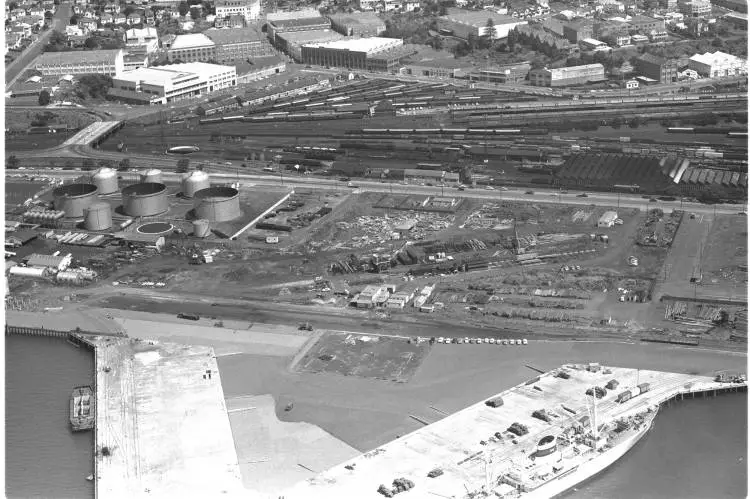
(450, 131)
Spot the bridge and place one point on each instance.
(94, 134)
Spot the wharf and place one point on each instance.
(463, 445)
(162, 428)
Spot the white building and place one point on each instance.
(249, 9)
(106, 62)
(607, 219)
(717, 64)
(147, 38)
(191, 48)
(172, 83)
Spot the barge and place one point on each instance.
(82, 413)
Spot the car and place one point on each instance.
(441, 340)
(503, 188)
(512, 342)
(619, 221)
(460, 341)
(563, 192)
(466, 340)
(582, 195)
(492, 341)
(490, 188)
(461, 188)
(487, 340)
(742, 213)
(652, 200)
(525, 341)
(529, 192)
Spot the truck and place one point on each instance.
(190, 317)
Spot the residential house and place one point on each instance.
(36, 11)
(134, 18)
(120, 18)
(112, 8)
(107, 18)
(13, 41)
(33, 21)
(87, 25)
(149, 17)
(410, 5)
(73, 30)
(22, 29)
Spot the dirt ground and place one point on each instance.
(365, 356)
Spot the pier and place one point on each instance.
(473, 449)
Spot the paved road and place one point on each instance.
(17, 67)
(548, 196)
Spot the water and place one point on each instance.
(43, 457)
(697, 449)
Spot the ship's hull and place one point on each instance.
(183, 149)
(588, 469)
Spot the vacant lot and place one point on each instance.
(364, 356)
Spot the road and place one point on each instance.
(543, 196)
(18, 67)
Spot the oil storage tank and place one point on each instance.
(151, 176)
(73, 199)
(201, 227)
(106, 180)
(217, 204)
(145, 200)
(98, 216)
(194, 182)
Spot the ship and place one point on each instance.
(183, 150)
(82, 413)
(582, 450)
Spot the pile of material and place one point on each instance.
(399, 485)
(541, 414)
(518, 429)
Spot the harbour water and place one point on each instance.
(43, 457)
(697, 448)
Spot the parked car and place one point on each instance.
(529, 192)
(582, 195)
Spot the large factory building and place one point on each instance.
(106, 62)
(560, 77)
(172, 83)
(462, 23)
(371, 54)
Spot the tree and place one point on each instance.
(12, 162)
(490, 31)
(183, 8)
(717, 42)
(195, 14)
(48, 15)
(124, 165)
(472, 41)
(88, 164)
(182, 165)
(128, 10)
(90, 43)
(44, 98)
(73, 20)
(200, 111)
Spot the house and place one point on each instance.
(13, 41)
(717, 64)
(73, 30)
(134, 18)
(87, 25)
(149, 16)
(631, 84)
(49, 261)
(107, 18)
(371, 296)
(410, 5)
(120, 18)
(112, 8)
(657, 68)
(32, 21)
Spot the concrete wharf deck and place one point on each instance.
(459, 444)
(162, 418)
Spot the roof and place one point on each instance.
(478, 18)
(360, 18)
(307, 21)
(717, 57)
(148, 32)
(77, 57)
(423, 173)
(191, 40)
(302, 37)
(643, 19)
(258, 64)
(562, 72)
(201, 68)
(608, 216)
(428, 57)
(153, 76)
(654, 59)
(592, 41)
(138, 237)
(23, 236)
(234, 35)
(370, 45)
(37, 260)
(299, 14)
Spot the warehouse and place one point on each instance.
(507, 74)
(464, 22)
(259, 68)
(233, 45)
(559, 77)
(106, 62)
(146, 38)
(288, 22)
(607, 219)
(411, 175)
(150, 241)
(192, 47)
(435, 64)
(249, 9)
(361, 24)
(19, 238)
(717, 64)
(291, 43)
(49, 261)
(372, 54)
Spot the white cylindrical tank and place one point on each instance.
(194, 182)
(28, 271)
(201, 228)
(151, 176)
(106, 180)
(98, 216)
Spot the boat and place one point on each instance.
(183, 150)
(583, 450)
(82, 413)
(90, 478)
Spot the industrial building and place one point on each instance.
(575, 31)
(371, 296)
(361, 24)
(434, 64)
(594, 45)
(657, 68)
(559, 77)
(235, 45)
(249, 9)
(646, 24)
(192, 47)
(288, 22)
(149, 241)
(461, 23)
(172, 83)
(55, 262)
(106, 62)
(146, 38)
(607, 219)
(717, 64)
(291, 42)
(259, 68)
(511, 73)
(694, 8)
(371, 54)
